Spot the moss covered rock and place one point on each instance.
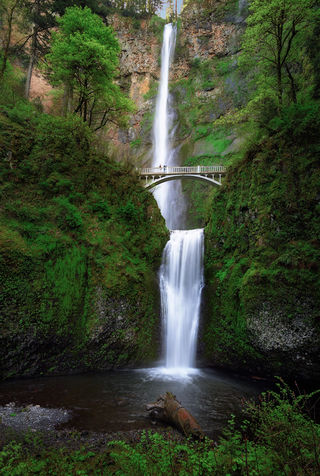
(262, 261)
(81, 242)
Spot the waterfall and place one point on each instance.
(181, 272)
(164, 114)
(169, 196)
(181, 282)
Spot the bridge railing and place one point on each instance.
(199, 169)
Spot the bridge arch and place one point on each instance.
(156, 175)
(167, 178)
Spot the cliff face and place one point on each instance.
(204, 68)
(140, 43)
(206, 56)
(213, 28)
(262, 253)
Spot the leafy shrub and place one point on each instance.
(56, 183)
(100, 207)
(68, 215)
(129, 212)
(298, 120)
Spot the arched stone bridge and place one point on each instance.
(155, 176)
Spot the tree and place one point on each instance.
(272, 42)
(313, 51)
(84, 58)
(170, 11)
(40, 16)
(9, 11)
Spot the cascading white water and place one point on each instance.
(181, 272)
(163, 117)
(181, 282)
(169, 195)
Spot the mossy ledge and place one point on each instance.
(262, 261)
(81, 242)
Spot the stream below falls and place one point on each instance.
(115, 401)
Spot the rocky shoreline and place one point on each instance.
(32, 423)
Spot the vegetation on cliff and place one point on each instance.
(263, 227)
(262, 252)
(83, 59)
(80, 244)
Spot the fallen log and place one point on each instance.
(168, 409)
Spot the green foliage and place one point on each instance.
(225, 66)
(156, 25)
(84, 58)
(130, 213)
(261, 238)
(100, 207)
(68, 216)
(300, 121)
(219, 141)
(313, 51)
(273, 47)
(75, 230)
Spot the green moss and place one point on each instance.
(75, 225)
(224, 66)
(261, 245)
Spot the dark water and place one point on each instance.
(115, 401)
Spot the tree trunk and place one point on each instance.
(167, 408)
(7, 41)
(292, 84)
(279, 82)
(67, 100)
(31, 62)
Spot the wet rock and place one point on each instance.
(32, 417)
(272, 330)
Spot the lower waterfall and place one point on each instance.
(181, 283)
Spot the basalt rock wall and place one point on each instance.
(208, 44)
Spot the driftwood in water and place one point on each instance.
(167, 408)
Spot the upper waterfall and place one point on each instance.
(163, 116)
(169, 196)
